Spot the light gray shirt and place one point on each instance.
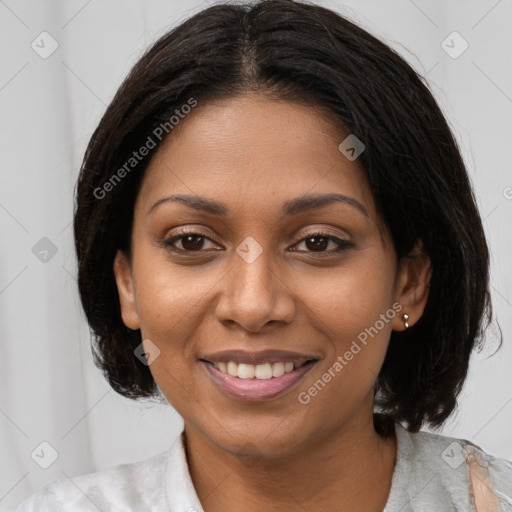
(431, 474)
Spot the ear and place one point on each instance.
(125, 290)
(412, 286)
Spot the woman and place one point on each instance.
(275, 231)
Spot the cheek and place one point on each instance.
(168, 297)
(347, 300)
(346, 307)
(169, 307)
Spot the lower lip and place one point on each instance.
(254, 390)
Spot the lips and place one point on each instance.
(255, 358)
(257, 376)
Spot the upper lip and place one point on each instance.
(260, 357)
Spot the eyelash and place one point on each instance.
(342, 244)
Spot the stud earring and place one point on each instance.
(406, 317)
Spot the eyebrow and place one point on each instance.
(290, 208)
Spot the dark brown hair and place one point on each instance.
(306, 53)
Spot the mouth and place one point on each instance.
(262, 371)
(257, 376)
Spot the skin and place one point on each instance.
(253, 154)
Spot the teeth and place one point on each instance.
(263, 371)
(232, 369)
(259, 371)
(245, 371)
(277, 369)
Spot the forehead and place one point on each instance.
(254, 152)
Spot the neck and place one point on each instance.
(349, 470)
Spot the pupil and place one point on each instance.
(320, 244)
(189, 239)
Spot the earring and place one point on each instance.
(406, 317)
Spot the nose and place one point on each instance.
(255, 292)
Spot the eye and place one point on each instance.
(316, 242)
(190, 242)
(319, 241)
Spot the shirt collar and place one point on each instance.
(180, 491)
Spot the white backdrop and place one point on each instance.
(50, 104)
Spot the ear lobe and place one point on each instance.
(413, 286)
(125, 290)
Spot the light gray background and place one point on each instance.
(50, 389)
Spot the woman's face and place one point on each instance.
(274, 273)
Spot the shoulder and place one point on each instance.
(138, 484)
(446, 462)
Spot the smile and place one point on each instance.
(257, 376)
(260, 371)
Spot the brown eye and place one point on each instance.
(314, 243)
(319, 242)
(190, 242)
